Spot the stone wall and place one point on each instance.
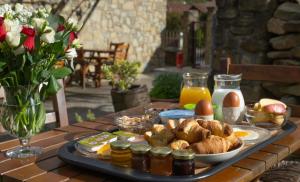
(260, 32)
(137, 22)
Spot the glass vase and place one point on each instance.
(23, 115)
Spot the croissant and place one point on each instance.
(234, 141)
(190, 131)
(216, 127)
(212, 145)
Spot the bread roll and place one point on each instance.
(191, 131)
(159, 136)
(212, 145)
(179, 144)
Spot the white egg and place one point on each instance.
(247, 134)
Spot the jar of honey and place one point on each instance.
(183, 162)
(121, 153)
(140, 158)
(161, 161)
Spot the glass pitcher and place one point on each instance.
(194, 88)
(223, 85)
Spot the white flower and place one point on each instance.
(72, 24)
(12, 25)
(38, 23)
(71, 53)
(19, 8)
(13, 38)
(5, 9)
(49, 35)
(13, 29)
(19, 50)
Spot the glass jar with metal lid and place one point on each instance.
(120, 153)
(140, 158)
(161, 161)
(183, 162)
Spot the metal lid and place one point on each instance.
(161, 151)
(183, 154)
(140, 148)
(120, 145)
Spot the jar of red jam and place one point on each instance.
(183, 162)
(161, 161)
(140, 158)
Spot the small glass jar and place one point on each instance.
(140, 158)
(121, 153)
(183, 162)
(161, 161)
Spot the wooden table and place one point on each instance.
(48, 167)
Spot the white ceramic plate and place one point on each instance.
(256, 134)
(216, 158)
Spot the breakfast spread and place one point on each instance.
(94, 143)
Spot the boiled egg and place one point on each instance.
(245, 134)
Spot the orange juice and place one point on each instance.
(192, 95)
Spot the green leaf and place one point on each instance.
(60, 73)
(53, 86)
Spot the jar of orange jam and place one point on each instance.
(120, 153)
(161, 161)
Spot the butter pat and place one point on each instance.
(124, 135)
(95, 142)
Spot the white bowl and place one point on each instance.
(175, 114)
(220, 157)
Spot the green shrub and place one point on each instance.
(174, 22)
(166, 86)
(121, 74)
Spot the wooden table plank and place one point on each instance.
(292, 141)
(50, 177)
(33, 170)
(96, 126)
(256, 166)
(90, 177)
(14, 143)
(280, 151)
(230, 174)
(269, 158)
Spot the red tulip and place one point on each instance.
(2, 30)
(60, 28)
(29, 41)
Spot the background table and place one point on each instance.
(48, 167)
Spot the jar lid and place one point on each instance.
(140, 148)
(120, 145)
(161, 151)
(183, 154)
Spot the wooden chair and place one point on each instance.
(60, 114)
(272, 73)
(120, 52)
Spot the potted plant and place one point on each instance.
(125, 94)
(166, 87)
(31, 43)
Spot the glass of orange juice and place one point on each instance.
(194, 88)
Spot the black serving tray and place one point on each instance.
(66, 153)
